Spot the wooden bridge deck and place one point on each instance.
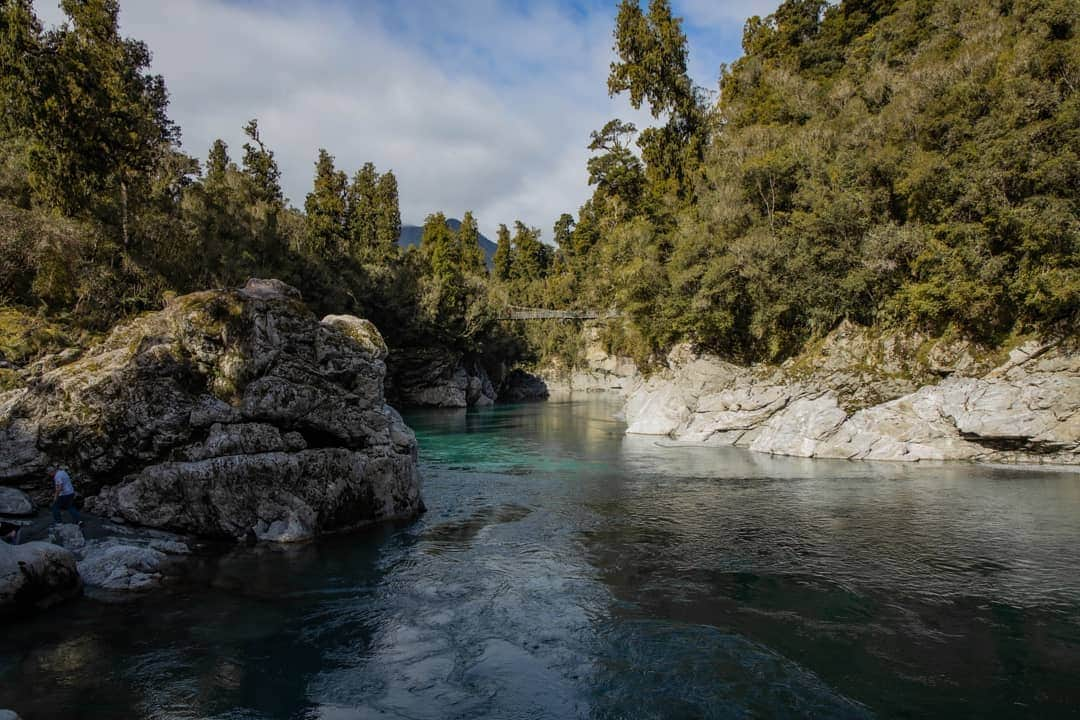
(524, 313)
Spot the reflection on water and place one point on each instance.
(566, 570)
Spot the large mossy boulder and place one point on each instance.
(229, 413)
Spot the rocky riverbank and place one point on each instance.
(228, 415)
(860, 395)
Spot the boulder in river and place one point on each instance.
(230, 413)
(35, 576)
(117, 558)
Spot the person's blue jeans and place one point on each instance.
(65, 502)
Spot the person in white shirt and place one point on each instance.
(64, 496)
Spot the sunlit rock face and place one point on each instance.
(598, 371)
(859, 404)
(230, 413)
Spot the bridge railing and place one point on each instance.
(525, 313)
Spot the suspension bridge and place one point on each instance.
(515, 312)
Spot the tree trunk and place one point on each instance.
(124, 212)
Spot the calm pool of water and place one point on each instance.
(566, 570)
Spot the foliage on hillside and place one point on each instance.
(900, 163)
(893, 162)
(102, 216)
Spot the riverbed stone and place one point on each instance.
(800, 427)
(67, 535)
(36, 576)
(658, 408)
(120, 567)
(361, 331)
(436, 376)
(119, 559)
(15, 502)
(521, 386)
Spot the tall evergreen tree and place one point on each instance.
(563, 233)
(325, 209)
(94, 116)
(472, 255)
(363, 213)
(260, 169)
(387, 216)
(616, 172)
(439, 244)
(531, 257)
(652, 67)
(217, 164)
(20, 65)
(503, 261)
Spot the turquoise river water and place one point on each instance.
(565, 570)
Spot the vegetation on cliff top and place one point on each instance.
(102, 216)
(892, 162)
(900, 163)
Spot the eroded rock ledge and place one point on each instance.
(851, 406)
(227, 414)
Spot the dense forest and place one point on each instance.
(103, 216)
(891, 162)
(908, 163)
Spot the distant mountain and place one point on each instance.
(410, 235)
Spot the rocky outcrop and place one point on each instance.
(438, 377)
(227, 414)
(1025, 410)
(35, 576)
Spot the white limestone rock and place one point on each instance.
(1027, 410)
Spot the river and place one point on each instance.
(566, 570)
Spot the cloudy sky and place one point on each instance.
(474, 104)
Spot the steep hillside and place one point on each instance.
(896, 163)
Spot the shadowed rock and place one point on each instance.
(439, 377)
(15, 502)
(34, 577)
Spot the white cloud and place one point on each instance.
(474, 104)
